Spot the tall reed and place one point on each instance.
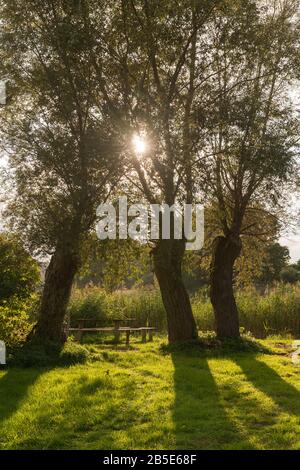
(275, 312)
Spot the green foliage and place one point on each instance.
(114, 264)
(48, 354)
(72, 353)
(52, 145)
(19, 272)
(90, 302)
(142, 305)
(19, 278)
(276, 259)
(276, 312)
(290, 275)
(15, 321)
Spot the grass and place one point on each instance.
(143, 398)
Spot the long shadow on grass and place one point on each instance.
(14, 385)
(199, 416)
(266, 379)
(85, 419)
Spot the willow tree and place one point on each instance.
(249, 133)
(154, 49)
(62, 158)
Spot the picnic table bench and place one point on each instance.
(116, 329)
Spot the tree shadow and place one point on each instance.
(14, 385)
(81, 420)
(267, 380)
(200, 419)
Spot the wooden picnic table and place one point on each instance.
(116, 329)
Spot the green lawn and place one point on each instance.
(143, 399)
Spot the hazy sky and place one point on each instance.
(293, 243)
(292, 239)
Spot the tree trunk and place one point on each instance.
(225, 251)
(167, 257)
(56, 294)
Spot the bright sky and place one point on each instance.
(293, 244)
(291, 235)
(292, 239)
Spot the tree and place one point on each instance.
(62, 156)
(19, 272)
(153, 92)
(276, 259)
(248, 133)
(297, 265)
(290, 275)
(254, 256)
(201, 82)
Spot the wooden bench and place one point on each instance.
(117, 330)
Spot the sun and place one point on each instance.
(139, 144)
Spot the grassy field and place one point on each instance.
(144, 399)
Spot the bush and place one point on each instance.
(19, 272)
(290, 275)
(90, 303)
(15, 321)
(72, 353)
(48, 354)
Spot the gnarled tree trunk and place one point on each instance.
(59, 278)
(225, 251)
(167, 257)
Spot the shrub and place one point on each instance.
(90, 302)
(72, 353)
(19, 272)
(290, 275)
(15, 321)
